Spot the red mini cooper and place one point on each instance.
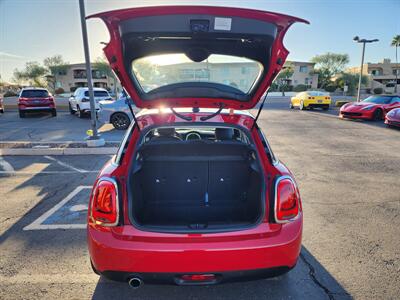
(194, 194)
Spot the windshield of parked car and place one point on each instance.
(378, 99)
(35, 94)
(157, 71)
(98, 94)
(316, 93)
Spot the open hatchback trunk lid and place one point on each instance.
(196, 56)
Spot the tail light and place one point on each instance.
(104, 208)
(287, 200)
(23, 99)
(85, 99)
(310, 98)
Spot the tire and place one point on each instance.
(377, 115)
(71, 111)
(291, 105)
(21, 114)
(302, 105)
(120, 121)
(325, 108)
(94, 269)
(54, 113)
(2, 111)
(81, 115)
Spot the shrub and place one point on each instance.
(330, 88)
(300, 88)
(10, 94)
(378, 90)
(59, 91)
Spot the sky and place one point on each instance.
(31, 30)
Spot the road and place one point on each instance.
(348, 173)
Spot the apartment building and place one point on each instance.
(382, 74)
(303, 73)
(74, 76)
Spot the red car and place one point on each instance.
(372, 108)
(36, 100)
(194, 194)
(392, 118)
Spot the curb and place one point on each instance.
(58, 151)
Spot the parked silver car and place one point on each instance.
(116, 112)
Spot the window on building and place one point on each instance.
(62, 72)
(306, 81)
(375, 72)
(396, 71)
(303, 69)
(81, 74)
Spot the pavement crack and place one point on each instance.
(313, 276)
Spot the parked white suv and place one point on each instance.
(79, 102)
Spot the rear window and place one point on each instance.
(153, 72)
(316, 93)
(98, 94)
(35, 94)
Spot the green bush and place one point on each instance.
(378, 91)
(10, 94)
(59, 91)
(330, 88)
(300, 88)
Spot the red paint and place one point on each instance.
(366, 114)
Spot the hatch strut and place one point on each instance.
(205, 118)
(133, 114)
(259, 110)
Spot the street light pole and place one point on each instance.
(94, 139)
(363, 41)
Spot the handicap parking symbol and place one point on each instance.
(70, 213)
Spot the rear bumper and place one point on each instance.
(126, 251)
(36, 108)
(318, 105)
(176, 278)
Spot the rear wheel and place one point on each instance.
(81, 115)
(2, 111)
(71, 111)
(21, 114)
(291, 105)
(302, 107)
(54, 113)
(120, 121)
(377, 115)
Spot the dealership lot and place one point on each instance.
(348, 173)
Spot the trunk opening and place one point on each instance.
(196, 186)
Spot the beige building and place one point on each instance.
(303, 73)
(75, 76)
(381, 75)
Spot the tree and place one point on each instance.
(328, 65)
(55, 65)
(33, 73)
(396, 43)
(283, 77)
(351, 80)
(103, 67)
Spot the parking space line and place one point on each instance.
(63, 164)
(37, 224)
(6, 166)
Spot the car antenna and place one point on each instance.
(259, 110)
(133, 114)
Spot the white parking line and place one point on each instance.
(6, 166)
(63, 164)
(37, 224)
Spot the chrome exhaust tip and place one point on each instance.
(135, 283)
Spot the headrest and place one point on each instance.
(166, 131)
(224, 134)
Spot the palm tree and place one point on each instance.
(396, 43)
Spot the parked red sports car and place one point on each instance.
(372, 108)
(392, 118)
(194, 194)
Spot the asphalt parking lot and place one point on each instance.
(348, 173)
